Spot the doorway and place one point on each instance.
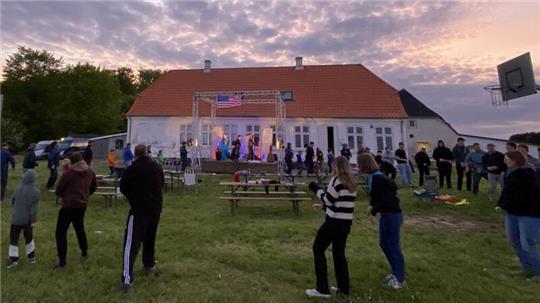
(330, 137)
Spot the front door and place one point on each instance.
(330, 137)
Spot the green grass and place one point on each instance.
(264, 253)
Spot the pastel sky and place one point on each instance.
(442, 52)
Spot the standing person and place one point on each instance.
(443, 157)
(530, 160)
(384, 200)
(405, 173)
(330, 158)
(111, 161)
(7, 158)
(88, 154)
(299, 163)
(149, 151)
(53, 161)
(142, 185)
(510, 146)
(30, 160)
(183, 156)
(460, 152)
(388, 158)
(160, 158)
(289, 154)
(235, 153)
(224, 149)
(378, 157)
(24, 218)
(520, 198)
(251, 151)
(320, 159)
(493, 164)
(74, 188)
(474, 164)
(338, 205)
(423, 162)
(128, 155)
(345, 151)
(310, 154)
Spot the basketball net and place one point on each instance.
(495, 92)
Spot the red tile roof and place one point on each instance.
(322, 91)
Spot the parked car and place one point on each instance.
(42, 150)
(70, 145)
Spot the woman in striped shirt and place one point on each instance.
(338, 205)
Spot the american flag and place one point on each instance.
(228, 101)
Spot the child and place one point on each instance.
(111, 161)
(65, 165)
(24, 202)
(384, 200)
(160, 158)
(338, 205)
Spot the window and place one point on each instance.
(412, 123)
(255, 130)
(206, 134)
(286, 95)
(231, 131)
(354, 137)
(185, 133)
(384, 137)
(301, 136)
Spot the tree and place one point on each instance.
(530, 137)
(27, 63)
(147, 77)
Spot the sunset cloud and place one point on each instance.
(443, 52)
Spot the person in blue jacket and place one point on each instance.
(7, 158)
(128, 155)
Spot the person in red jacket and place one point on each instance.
(74, 188)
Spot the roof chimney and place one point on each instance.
(207, 65)
(299, 65)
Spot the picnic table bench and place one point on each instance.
(107, 192)
(240, 191)
(172, 177)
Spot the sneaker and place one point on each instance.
(125, 288)
(59, 268)
(313, 293)
(393, 283)
(151, 272)
(12, 264)
(388, 278)
(32, 260)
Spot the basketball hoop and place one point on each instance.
(496, 95)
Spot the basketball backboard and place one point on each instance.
(516, 77)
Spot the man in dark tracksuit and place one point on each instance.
(460, 152)
(142, 184)
(310, 153)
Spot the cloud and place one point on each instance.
(444, 52)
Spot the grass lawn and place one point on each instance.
(263, 254)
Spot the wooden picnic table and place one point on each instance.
(107, 192)
(250, 191)
(174, 177)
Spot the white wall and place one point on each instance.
(164, 132)
(429, 130)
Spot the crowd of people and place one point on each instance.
(142, 183)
